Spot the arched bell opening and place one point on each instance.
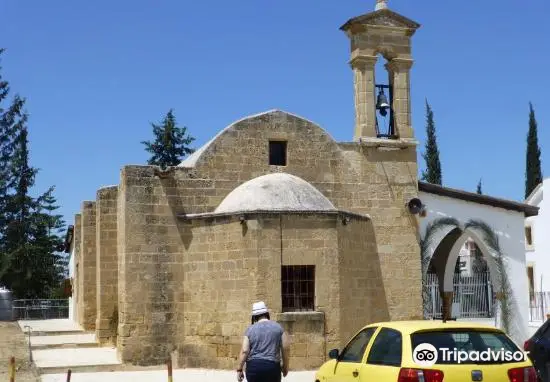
(383, 92)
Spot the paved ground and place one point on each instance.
(188, 375)
(13, 343)
(59, 345)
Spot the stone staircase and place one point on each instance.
(59, 345)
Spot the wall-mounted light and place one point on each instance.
(416, 207)
(345, 220)
(242, 219)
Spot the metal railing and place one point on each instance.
(40, 309)
(472, 296)
(539, 305)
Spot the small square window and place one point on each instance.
(298, 287)
(528, 236)
(277, 153)
(531, 278)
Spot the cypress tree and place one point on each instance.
(171, 143)
(479, 190)
(533, 168)
(432, 174)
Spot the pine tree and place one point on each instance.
(30, 236)
(171, 143)
(432, 174)
(33, 235)
(11, 119)
(50, 266)
(479, 190)
(533, 170)
(18, 208)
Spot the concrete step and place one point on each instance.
(59, 360)
(55, 332)
(64, 346)
(81, 369)
(50, 327)
(64, 340)
(99, 368)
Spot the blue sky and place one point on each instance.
(95, 74)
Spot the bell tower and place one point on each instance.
(382, 110)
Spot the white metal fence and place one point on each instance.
(539, 305)
(472, 297)
(40, 309)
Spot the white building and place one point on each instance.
(537, 253)
(467, 257)
(537, 240)
(506, 219)
(70, 249)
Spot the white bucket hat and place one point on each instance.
(259, 308)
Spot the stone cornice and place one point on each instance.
(398, 64)
(251, 214)
(363, 61)
(382, 18)
(388, 143)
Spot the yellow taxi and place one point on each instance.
(428, 351)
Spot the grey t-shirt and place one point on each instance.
(265, 341)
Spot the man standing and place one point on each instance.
(265, 344)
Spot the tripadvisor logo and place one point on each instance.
(426, 355)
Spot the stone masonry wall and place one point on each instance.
(229, 265)
(150, 248)
(353, 176)
(107, 265)
(362, 295)
(122, 303)
(78, 280)
(364, 180)
(88, 265)
(312, 155)
(394, 184)
(311, 240)
(308, 347)
(219, 287)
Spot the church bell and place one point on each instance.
(382, 104)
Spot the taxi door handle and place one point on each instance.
(356, 373)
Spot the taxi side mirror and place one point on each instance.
(333, 354)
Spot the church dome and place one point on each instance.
(275, 192)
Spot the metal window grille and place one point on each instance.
(539, 302)
(298, 287)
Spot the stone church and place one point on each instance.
(168, 262)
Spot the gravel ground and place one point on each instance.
(13, 344)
